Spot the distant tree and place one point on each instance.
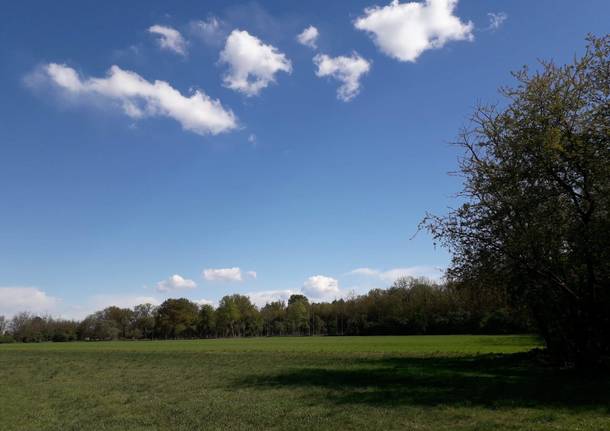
(3, 325)
(297, 298)
(536, 213)
(237, 316)
(177, 318)
(97, 326)
(297, 314)
(143, 322)
(228, 317)
(206, 325)
(274, 315)
(120, 317)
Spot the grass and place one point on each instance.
(418, 383)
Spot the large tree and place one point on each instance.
(535, 215)
(177, 318)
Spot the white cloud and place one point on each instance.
(211, 31)
(347, 70)
(16, 299)
(405, 30)
(140, 98)
(252, 64)
(496, 20)
(227, 274)
(169, 39)
(391, 275)
(321, 287)
(175, 282)
(308, 37)
(261, 298)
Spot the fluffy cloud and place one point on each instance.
(252, 64)
(169, 39)
(405, 30)
(140, 98)
(321, 287)
(391, 275)
(347, 70)
(496, 20)
(308, 37)
(227, 274)
(16, 299)
(265, 297)
(175, 282)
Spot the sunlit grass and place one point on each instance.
(429, 383)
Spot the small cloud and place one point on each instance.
(347, 70)
(252, 64)
(139, 98)
(211, 31)
(169, 39)
(175, 282)
(391, 275)
(260, 299)
(321, 287)
(233, 274)
(369, 272)
(308, 37)
(496, 20)
(405, 30)
(252, 139)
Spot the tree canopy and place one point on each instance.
(535, 215)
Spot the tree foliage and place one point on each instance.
(535, 218)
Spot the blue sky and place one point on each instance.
(245, 159)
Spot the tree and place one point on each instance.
(207, 321)
(97, 326)
(535, 219)
(228, 317)
(273, 315)
(297, 314)
(143, 323)
(3, 325)
(177, 318)
(121, 318)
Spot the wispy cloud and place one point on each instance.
(16, 299)
(391, 275)
(169, 39)
(234, 274)
(211, 31)
(496, 20)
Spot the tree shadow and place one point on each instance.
(494, 381)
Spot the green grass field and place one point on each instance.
(417, 382)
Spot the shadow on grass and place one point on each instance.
(495, 381)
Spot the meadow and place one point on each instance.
(396, 382)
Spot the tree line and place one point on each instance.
(409, 306)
